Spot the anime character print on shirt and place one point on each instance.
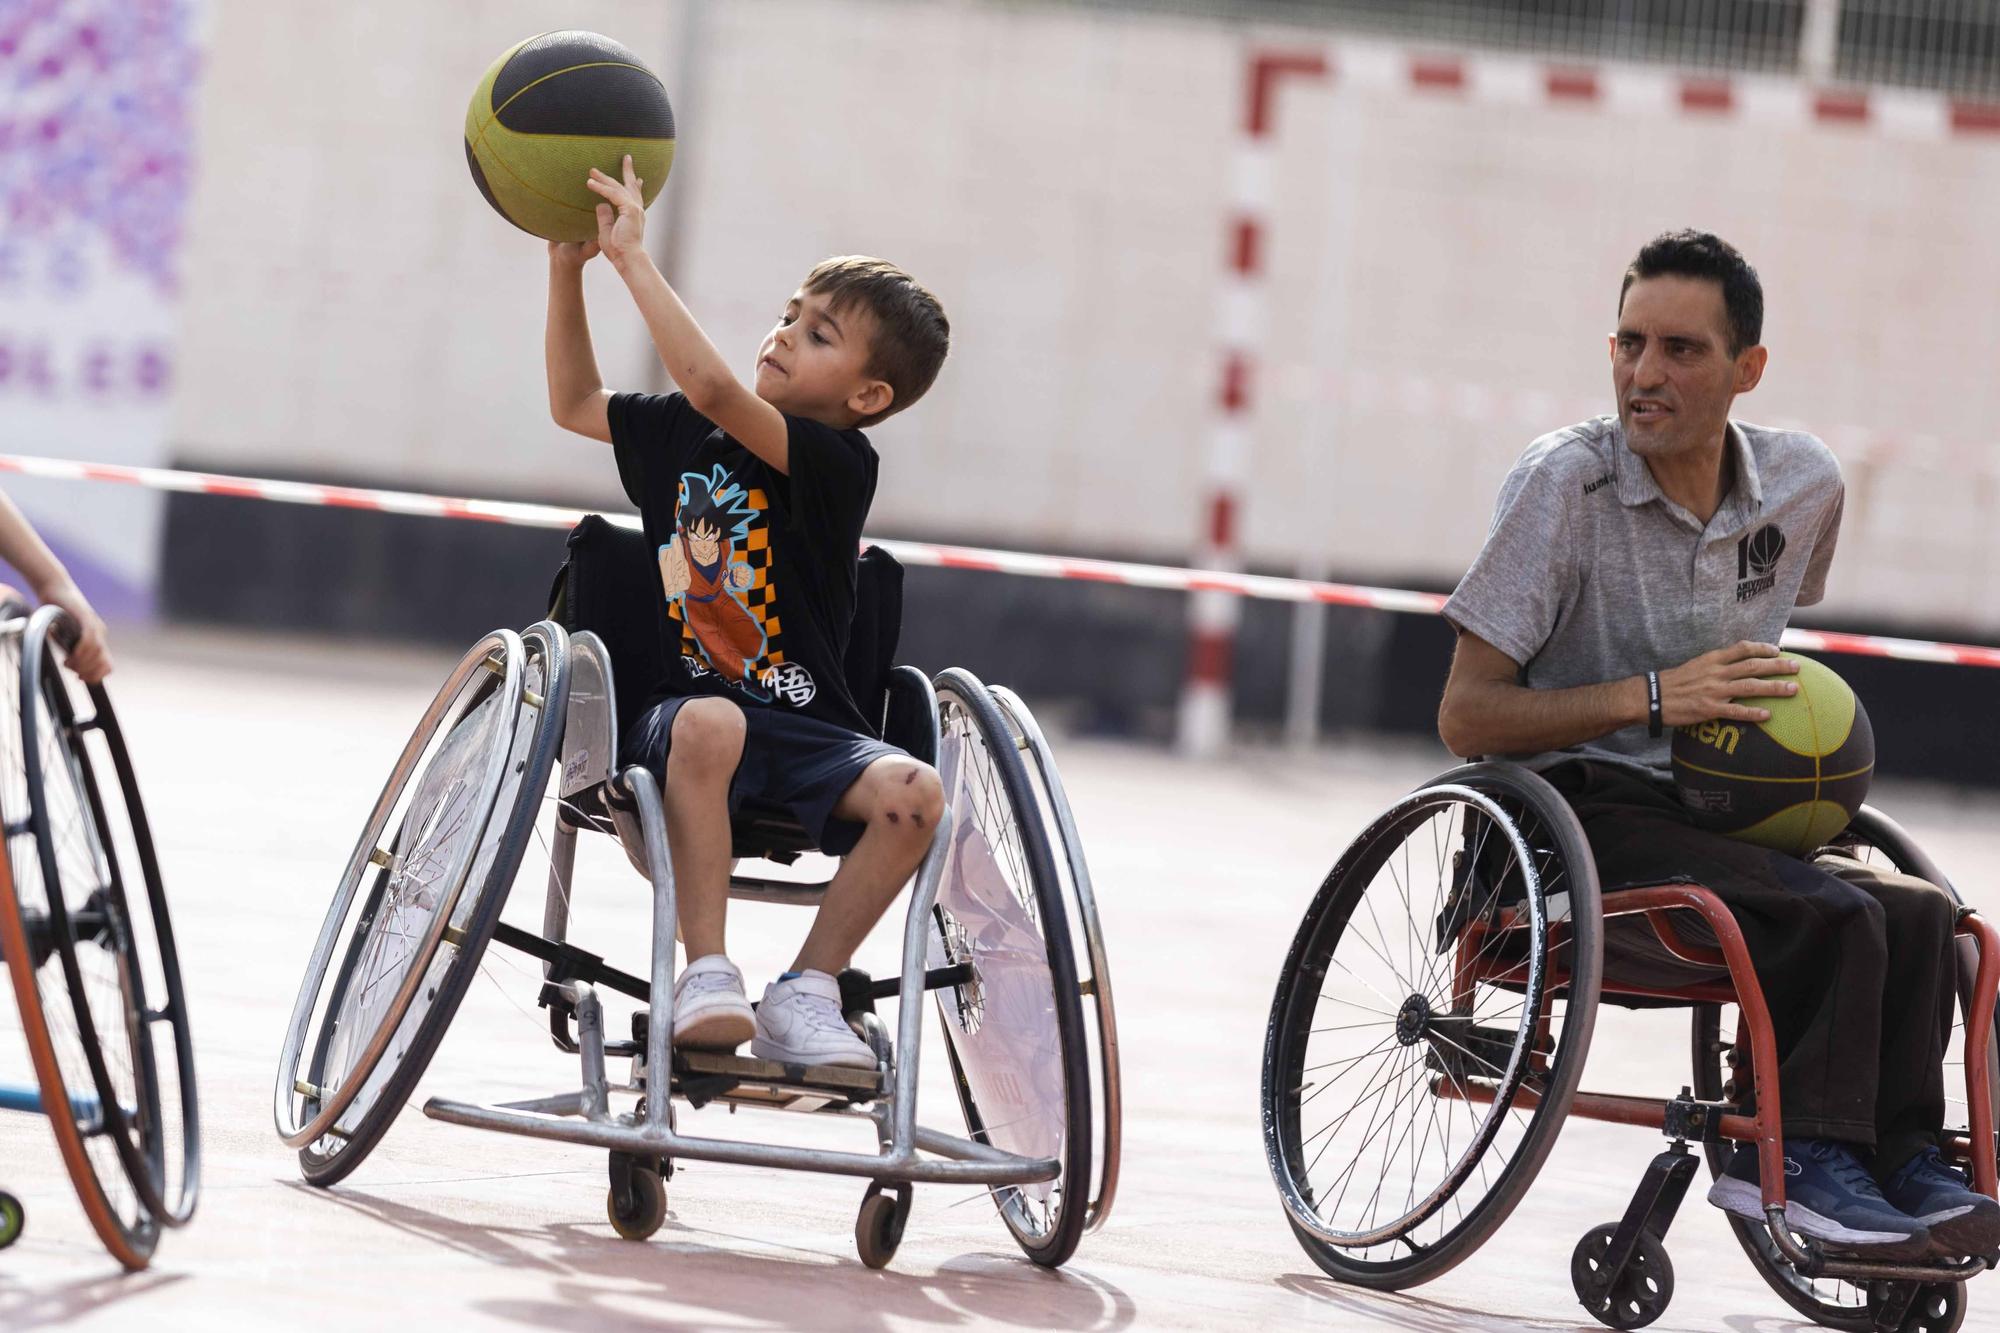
(717, 577)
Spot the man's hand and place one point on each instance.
(91, 657)
(572, 254)
(1704, 688)
(621, 219)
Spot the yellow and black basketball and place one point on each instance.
(549, 110)
(1792, 782)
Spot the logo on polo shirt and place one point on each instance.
(1756, 556)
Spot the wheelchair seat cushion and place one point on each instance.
(793, 772)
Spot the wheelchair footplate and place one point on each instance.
(701, 1077)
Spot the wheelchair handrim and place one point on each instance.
(1111, 1123)
(433, 725)
(149, 1178)
(130, 1243)
(1380, 843)
(531, 749)
(1051, 1245)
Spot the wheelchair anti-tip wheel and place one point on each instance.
(91, 950)
(1873, 839)
(419, 899)
(1014, 1035)
(1430, 1026)
(13, 1218)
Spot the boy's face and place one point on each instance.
(814, 363)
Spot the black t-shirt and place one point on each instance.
(757, 568)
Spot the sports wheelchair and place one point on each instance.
(521, 743)
(96, 979)
(1429, 1031)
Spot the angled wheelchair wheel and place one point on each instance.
(1873, 839)
(91, 950)
(419, 899)
(1087, 946)
(1015, 1035)
(1430, 1025)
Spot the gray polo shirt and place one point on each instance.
(1590, 574)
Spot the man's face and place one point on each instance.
(1671, 366)
(813, 361)
(704, 542)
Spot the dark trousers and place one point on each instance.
(1856, 963)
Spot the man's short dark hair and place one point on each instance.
(911, 332)
(1701, 254)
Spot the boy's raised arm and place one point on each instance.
(577, 398)
(686, 352)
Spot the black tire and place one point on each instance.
(1087, 946)
(160, 1148)
(332, 1157)
(1047, 1225)
(1829, 1302)
(1496, 813)
(1641, 1293)
(64, 938)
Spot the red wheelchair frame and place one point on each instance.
(1683, 1118)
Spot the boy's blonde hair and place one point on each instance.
(911, 333)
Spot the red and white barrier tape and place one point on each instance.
(1767, 101)
(1174, 579)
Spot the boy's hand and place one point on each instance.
(572, 254)
(741, 576)
(621, 219)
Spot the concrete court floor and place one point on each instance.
(259, 759)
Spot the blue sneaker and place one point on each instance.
(1961, 1220)
(1829, 1195)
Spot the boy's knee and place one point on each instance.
(906, 797)
(707, 733)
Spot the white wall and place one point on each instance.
(1442, 277)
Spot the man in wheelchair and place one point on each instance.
(1606, 606)
(754, 500)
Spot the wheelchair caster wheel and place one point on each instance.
(12, 1219)
(878, 1228)
(644, 1196)
(1937, 1307)
(1637, 1296)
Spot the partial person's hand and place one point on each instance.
(91, 657)
(621, 219)
(741, 576)
(572, 254)
(1706, 687)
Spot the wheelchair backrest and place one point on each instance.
(610, 585)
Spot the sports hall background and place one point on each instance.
(239, 236)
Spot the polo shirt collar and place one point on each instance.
(1636, 485)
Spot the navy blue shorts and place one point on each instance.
(800, 763)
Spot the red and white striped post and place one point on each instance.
(1212, 614)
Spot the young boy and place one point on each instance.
(754, 500)
(22, 548)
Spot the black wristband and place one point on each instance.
(1653, 720)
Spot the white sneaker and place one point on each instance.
(799, 1023)
(711, 1011)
